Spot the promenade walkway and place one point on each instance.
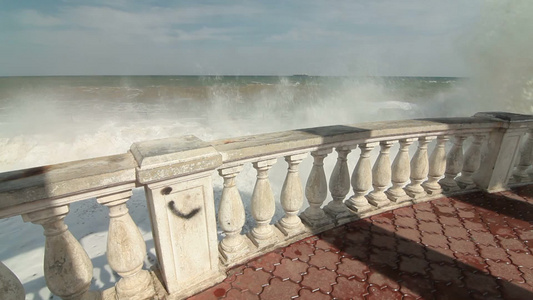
(472, 246)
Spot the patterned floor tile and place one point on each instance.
(473, 246)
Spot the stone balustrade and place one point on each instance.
(430, 158)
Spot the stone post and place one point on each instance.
(126, 250)
(316, 191)
(176, 174)
(437, 166)
(471, 163)
(231, 217)
(419, 169)
(526, 159)
(361, 179)
(503, 146)
(10, 286)
(381, 176)
(67, 268)
(263, 206)
(292, 197)
(400, 173)
(339, 186)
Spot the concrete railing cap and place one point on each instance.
(173, 157)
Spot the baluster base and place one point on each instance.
(320, 222)
(290, 231)
(358, 204)
(137, 287)
(378, 199)
(449, 185)
(432, 188)
(263, 242)
(229, 254)
(464, 181)
(397, 197)
(338, 212)
(466, 185)
(415, 192)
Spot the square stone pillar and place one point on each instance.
(503, 150)
(176, 174)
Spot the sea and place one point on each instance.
(48, 120)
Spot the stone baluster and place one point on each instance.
(381, 176)
(437, 166)
(10, 286)
(231, 216)
(316, 191)
(126, 249)
(361, 179)
(472, 161)
(339, 186)
(292, 197)
(400, 173)
(419, 169)
(263, 206)
(67, 268)
(526, 159)
(454, 164)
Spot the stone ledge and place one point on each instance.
(261, 145)
(173, 157)
(60, 180)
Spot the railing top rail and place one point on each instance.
(60, 180)
(150, 161)
(249, 147)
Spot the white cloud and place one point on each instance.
(35, 18)
(314, 37)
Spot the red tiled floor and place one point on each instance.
(473, 246)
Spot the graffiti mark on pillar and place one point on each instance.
(178, 213)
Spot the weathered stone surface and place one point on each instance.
(185, 232)
(126, 250)
(177, 174)
(173, 157)
(249, 147)
(503, 150)
(10, 286)
(505, 116)
(54, 181)
(68, 269)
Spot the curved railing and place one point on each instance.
(176, 174)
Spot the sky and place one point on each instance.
(379, 37)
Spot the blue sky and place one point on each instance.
(379, 37)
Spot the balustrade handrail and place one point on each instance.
(250, 148)
(33, 189)
(50, 182)
(28, 190)
(176, 174)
